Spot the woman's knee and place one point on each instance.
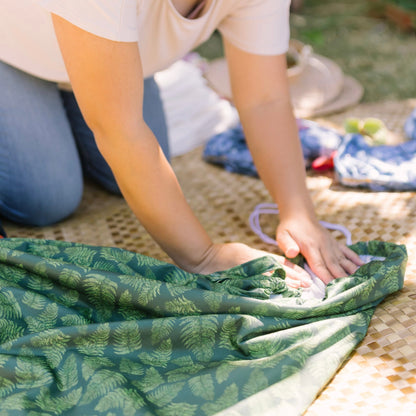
(40, 172)
(41, 205)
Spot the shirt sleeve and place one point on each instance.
(258, 26)
(111, 19)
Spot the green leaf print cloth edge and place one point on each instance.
(90, 330)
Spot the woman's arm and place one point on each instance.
(106, 77)
(261, 94)
(107, 80)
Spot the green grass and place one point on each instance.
(374, 51)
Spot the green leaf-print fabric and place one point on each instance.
(90, 330)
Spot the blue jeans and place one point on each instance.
(46, 147)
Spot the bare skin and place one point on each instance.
(184, 7)
(107, 80)
(266, 113)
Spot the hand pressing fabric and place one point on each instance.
(225, 256)
(326, 257)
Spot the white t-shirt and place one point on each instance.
(28, 42)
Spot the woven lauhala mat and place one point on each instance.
(380, 377)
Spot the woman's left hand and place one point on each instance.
(328, 258)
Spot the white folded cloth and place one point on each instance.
(194, 112)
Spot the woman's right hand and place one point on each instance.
(224, 256)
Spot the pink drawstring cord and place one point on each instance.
(270, 208)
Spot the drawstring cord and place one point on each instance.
(270, 208)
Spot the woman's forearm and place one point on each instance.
(261, 94)
(151, 189)
(272, 137)
(107, 80)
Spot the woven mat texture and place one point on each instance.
(380, 376)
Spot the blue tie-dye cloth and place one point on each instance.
(229, 149)
(379, 168)
(358, 164)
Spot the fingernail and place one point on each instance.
(291, 252)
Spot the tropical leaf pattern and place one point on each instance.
(102, 331)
